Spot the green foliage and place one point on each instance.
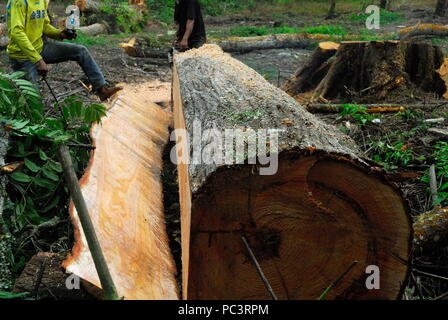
(440, 156)
(392, 155)
(89, 41)
(356, 112)
(36, 190)
(409, 114)
(335, 30)
(249, 31)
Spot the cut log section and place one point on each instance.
(386, 71)
(324, 208)
(123, 191)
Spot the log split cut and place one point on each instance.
(123, 191)
(323, 209)
(386, 71)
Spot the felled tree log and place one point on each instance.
(383, 71)
(123, 192)
(94, 29)
(278, 41)
(324, 208)
(140, 48)
(310, 74)
(424, 30)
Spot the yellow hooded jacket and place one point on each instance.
(28, 21)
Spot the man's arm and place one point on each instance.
(18, 35)
(188, 30)
(191, 16)
(51, 31)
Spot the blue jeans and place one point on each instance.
(55, 52)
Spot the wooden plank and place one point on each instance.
(123, 191)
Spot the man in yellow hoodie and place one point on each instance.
(28, 22)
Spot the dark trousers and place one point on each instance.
(55, 52)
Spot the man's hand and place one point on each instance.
(183, 45)
(69, 34)
(42, 68)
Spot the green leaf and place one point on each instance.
(43, 156)
(31, 165)
(44, 183)
(50, 174)
(21, 177)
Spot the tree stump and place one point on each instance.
(323, 209)
(389, 71)
(308, 76)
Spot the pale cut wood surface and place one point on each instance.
(123, 191)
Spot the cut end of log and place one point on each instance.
(306, 224)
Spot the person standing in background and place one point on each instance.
(190, 25)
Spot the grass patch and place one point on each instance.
(248, 31)
(87, 41)
(386, 17)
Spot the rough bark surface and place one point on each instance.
(309, 75)
(441, 8)
(324, 208)
(247, 44)
(6, 278)
(94, 29)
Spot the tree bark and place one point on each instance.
(332, 9)
(440, 8)
(310, 74)
(94, 29)
(324, 208)
(123, 192)
(379, 71)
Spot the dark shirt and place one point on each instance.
(190, 10)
